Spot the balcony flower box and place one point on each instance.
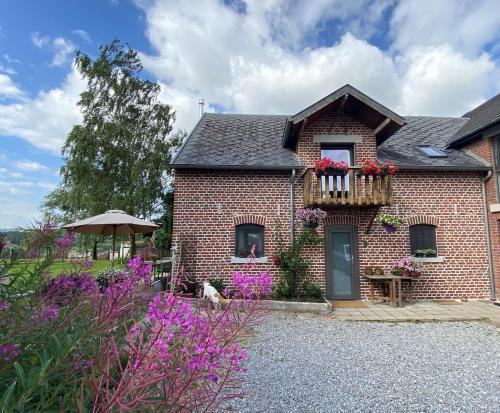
(328, 167)
(372, 167)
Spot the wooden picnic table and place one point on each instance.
(393, 283)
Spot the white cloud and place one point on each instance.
(64, 49)
(248, 62)
(39, 40)
(3, 170)
(466, 25)
(47, 185)
(84, 35)
(45, 120)
(12, 189)
(7, 69)
(26, 165)
(439, 81)
(8, 88)
(61, 47)
(16, 174)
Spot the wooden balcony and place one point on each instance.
(352, 189)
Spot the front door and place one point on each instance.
(342, 262)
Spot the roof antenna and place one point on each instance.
(201, 104)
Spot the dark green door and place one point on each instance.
(342, 263)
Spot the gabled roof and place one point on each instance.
(354, 103)
(227, 141)
(479, 118)
(401, 148)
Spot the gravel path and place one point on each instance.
(323, 365)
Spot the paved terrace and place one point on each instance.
(423, 311)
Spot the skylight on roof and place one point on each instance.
(432, 152)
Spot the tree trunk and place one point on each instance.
(133, 247)
(94, 249)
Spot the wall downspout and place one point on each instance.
(488, 240)
(292, 209)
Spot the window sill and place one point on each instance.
(238, 260)
(430, 259)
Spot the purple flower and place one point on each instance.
(66, 240)
(311, 216)
(4, 305)
(88, 264)
(62, 289)
(46, 314)
(9, 351)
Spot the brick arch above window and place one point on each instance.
(249, 219)
(341, 220)
(423, 219)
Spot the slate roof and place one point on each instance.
(227, 141)
(479, 118)
(237, 141)
(401, 148)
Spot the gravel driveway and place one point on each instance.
(323, 365)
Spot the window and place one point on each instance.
(248, 235)
(496, 150)
(432, 152)
(337, 153)
(423, 237)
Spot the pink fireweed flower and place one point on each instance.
(4, 305)
(248, 286)
(9, 351)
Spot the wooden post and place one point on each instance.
(327, 189)
(351, 187)
(342, 189)
(334, 190)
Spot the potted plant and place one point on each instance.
(423, 253)
(407, 267)
(372, 167)
(389, 222)
(388, 168)
(327, 167)
(311, 217)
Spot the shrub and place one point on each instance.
(312, 290)
(67, 346)
(217, 283)
(106, 276)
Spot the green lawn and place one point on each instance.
(58, 266)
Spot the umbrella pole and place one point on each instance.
(113, 251)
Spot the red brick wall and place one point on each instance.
(207, 202)
(484, 149)
(452, 199)
(208, 205)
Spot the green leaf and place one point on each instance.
(20, 374)
(6, 397)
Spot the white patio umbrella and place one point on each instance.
(113, 222)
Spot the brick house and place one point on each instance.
(236, 176)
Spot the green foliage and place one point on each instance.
(312, 290)
(105, 277)
(217, 283)
(388, 219)
(124, 144)
(294, 267)
(425, 252)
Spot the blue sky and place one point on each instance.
(440, 58)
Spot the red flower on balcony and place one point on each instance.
(326, 166)
(372, 167)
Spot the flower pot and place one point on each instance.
(335, 172)
(390, 229)
(312, 225)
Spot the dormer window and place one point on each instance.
(432, 152)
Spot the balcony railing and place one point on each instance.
(352, 189)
